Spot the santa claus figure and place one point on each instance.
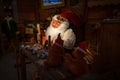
(60, 24)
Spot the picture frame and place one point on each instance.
(52, 4)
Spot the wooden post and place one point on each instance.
(85, 18)
(23, 66)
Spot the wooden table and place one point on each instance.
(57, 73)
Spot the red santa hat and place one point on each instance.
(59, 41)
(72, 18)
(62, 19)
(83, 47)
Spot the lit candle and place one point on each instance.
(39, 33)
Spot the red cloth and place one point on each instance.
(83, 45)
(72, 18)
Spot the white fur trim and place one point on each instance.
(83, 51)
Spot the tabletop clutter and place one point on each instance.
(36, 49)
(46, 60)
(53, 61)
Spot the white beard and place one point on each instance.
(53, 32)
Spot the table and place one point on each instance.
(56, 73)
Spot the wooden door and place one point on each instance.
(109, 46)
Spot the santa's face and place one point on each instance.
(56, 23)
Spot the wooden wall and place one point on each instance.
(97, 14)
(108, 47)
(1, 18)
(31, 10)
(44, 13)
(1, 10)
